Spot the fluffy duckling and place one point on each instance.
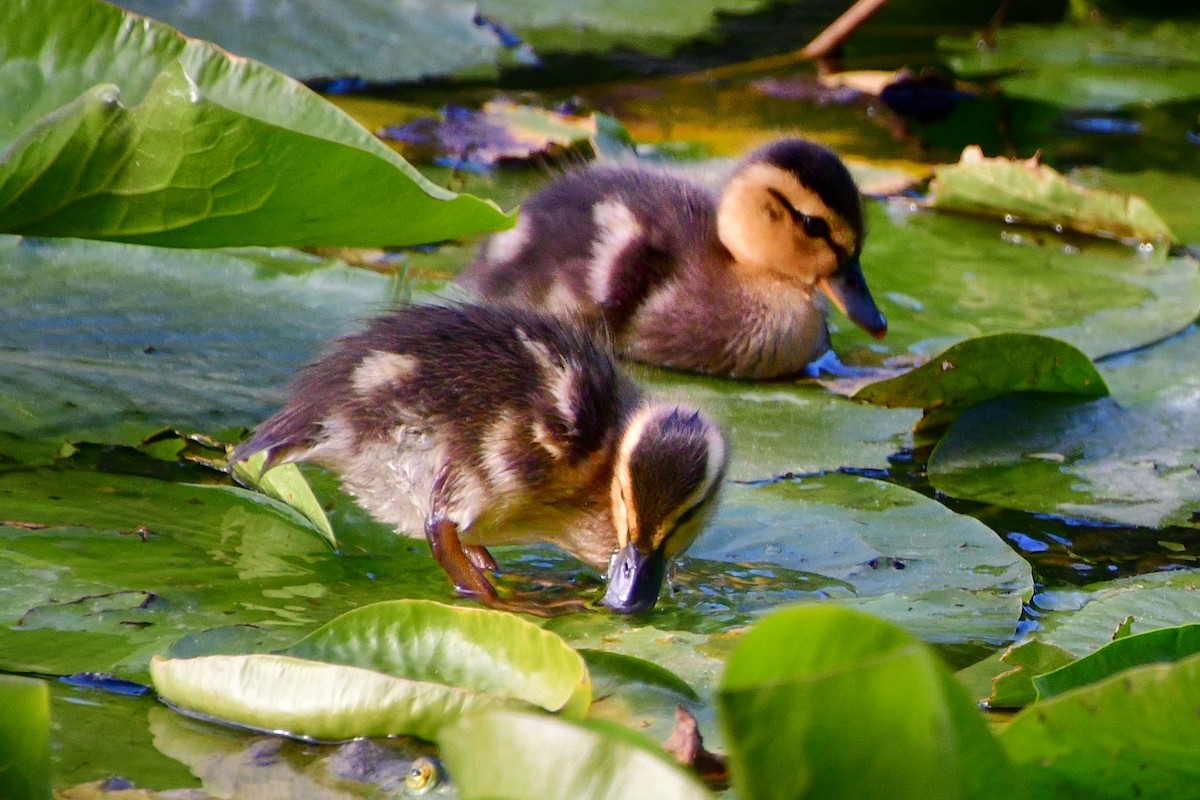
(478, 426)
(688, 278)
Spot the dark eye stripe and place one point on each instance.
(814, 227)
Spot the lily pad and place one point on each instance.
(940, 575)
(1033, 193)
(471, 648)
(403, 667)
(121, 129)
(150, 339)
(1122, 737)
(103, 571)
(1130, 459)
(1093, 66)
(1161, 645)
(792, 701)
(943, 278)
(990, 366)
(521, 756)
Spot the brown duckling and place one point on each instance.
(475, 426)
(687, 278)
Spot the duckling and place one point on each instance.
(478, 426)
(686, 278)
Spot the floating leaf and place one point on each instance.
(792, 703)
(400, 667)
(1161, 645)
(1092, 66)
(985, 367)
(24, 739)
(1126, 736)
(1129, 460)
(472, 648)
(518, 756)
(1030, 192)
(121, 129)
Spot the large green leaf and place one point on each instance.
(103, 570)
(401, 667)
(990, 366)
(24, 739)
(148, 338)
(1089, 67)
(1163, 644)
(1128, 736)
(117, 128)
(880, 547)
(520, 756)
(311, 699)
(1130, 459)
(471, 648)
(942, 278)
(830, 702)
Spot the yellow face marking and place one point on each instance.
(763, 236)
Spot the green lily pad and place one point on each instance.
(1161, 645)
(1126, 736)
(1175, 196)
(402, 667)
(942, 576)
(471, 648)
(121, 129)
(1094, 66)
(150, 339)
(521, 756)
(990, 366)
(792, 701)
(24, 739)
(1130, 459)
(779, 428)
(942, 278)
(104, 570)
(1035, 194)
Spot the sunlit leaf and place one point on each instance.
(311, 699)
(121, 129)
(1033, 193)
(471, 648)
(1161, 645)
(830, 702)
(1092, 66)
(24, 739)
(1130, 459)
(1126, 736)
(518, 756)
(287, 484)
(990, 366)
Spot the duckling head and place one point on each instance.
(668, 473)
(792, 212)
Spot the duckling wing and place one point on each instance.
(597, 243)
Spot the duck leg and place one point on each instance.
(480, 557)
(470, 581)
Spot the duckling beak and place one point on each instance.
(634, 580)
(847, 288)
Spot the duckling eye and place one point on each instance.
(816, 227)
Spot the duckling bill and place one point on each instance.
(726, 283)
(478, 426)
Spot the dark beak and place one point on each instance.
(847, 288)
(634, 580)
